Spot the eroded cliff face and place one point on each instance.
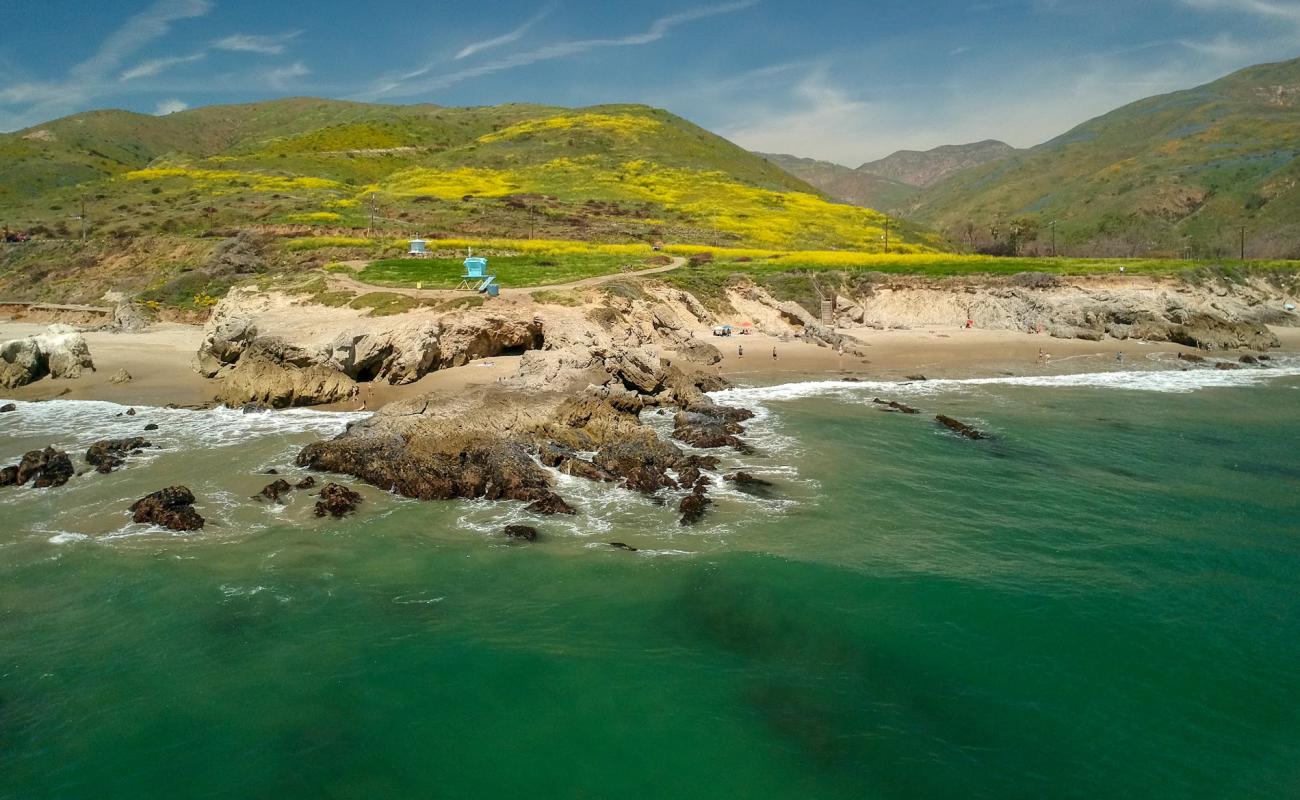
(1213, 316)
(268, 349)
(278, 351)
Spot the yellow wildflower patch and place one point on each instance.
(257, 181)
(623, 125)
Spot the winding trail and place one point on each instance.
(348, 283)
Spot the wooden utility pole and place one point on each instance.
(1053, 238)
(370, 231)
(886, 234)
(83, 219)
(1243, 242)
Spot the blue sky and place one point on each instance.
(843, 80)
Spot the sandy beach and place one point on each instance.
(160, 361)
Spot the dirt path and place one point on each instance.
(348, 283)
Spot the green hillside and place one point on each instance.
(607, 173)
(1177, 174)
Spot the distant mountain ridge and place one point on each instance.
(928, 167)
(891, 183)
(1183, 173)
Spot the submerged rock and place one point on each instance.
(1227, 365)
(521, 533)
(1191, 358)
(152, 426)
(337, 501)
(621, 546)
(275, 492)
(744, 480)
(693, 506)
(8, 407)
(108, 455)
(306, 483)
(893, 406)
(960, 427)
(171, 508)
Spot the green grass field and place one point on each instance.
(511, 271)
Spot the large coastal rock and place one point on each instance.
(60, 352)
(171, 508)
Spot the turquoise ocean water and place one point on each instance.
(1103, 601)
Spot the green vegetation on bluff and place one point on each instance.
(607, 173)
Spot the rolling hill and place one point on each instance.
(607, 173)
(1181, 173)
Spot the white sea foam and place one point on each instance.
(76, 424)
(1172, 380)
(67, 538)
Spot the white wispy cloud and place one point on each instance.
(272, 45)
(283, 77)
(504, 39)
(156, 66)
(46, 99)
(408, 84)
(170, 107)
(1272, 9)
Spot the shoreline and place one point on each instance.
(160, 360)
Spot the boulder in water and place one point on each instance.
(550, 503)
(337, 501)
(45, 469)
(7, 408)
(171, 508)
(275, 492)
(306, 483)
(621, 546)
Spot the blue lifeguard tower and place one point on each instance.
(476, 276)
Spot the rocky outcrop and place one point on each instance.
(106, 456)
(171, 508)
(128, 318)
(45, 469)
(8, 408)
(60, 352)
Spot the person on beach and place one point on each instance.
(1119, 356)
(774, 354)
(740, 351)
